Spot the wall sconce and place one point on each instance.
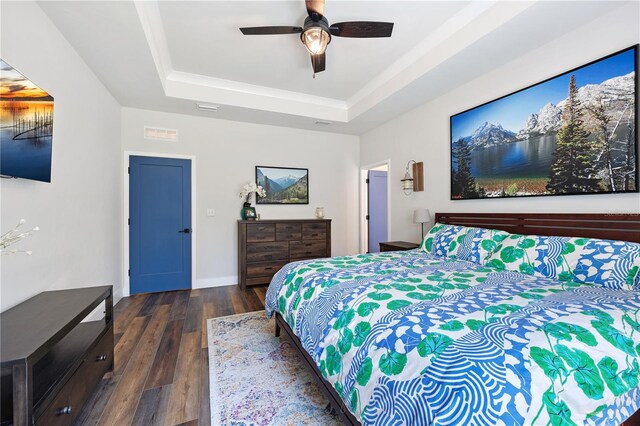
(413, 183)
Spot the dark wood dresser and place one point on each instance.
(265, 246)
(51, 360)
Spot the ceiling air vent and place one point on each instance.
(207, 107)
(322, 123)
(160, 134)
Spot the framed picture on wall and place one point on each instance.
(283, 185)
(26, 127)
(575, 133)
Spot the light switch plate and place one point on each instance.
(211, 212)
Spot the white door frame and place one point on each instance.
(126, 289)
(364, 243)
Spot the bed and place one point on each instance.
(418, 338)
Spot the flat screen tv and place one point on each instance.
(575, 133)
(26, 127)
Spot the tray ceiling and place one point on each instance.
(170, 55)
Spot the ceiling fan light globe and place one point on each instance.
(316, 40)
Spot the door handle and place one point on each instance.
(185, 231)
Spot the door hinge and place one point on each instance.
(129, 272)
(128, 170)
(129, 221)
(367, 181)
(367, 217)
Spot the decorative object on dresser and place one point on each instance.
(266, 246)
(250, 188)
(283, 185)
(397, 246)
(51, 360)
(421, 216)
(320, 212)
(571, 134)
(413, 183)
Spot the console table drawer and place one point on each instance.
(257, 232)
(264, 269)
(314, 231)
(68, 402)
(288, 231)
(307, 249)
(259, 252)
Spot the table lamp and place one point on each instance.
(421, 216)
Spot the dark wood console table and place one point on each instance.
(51, 361)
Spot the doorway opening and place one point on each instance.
(375, 217)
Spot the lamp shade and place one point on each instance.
(421, 216)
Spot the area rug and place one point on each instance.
(258, 379)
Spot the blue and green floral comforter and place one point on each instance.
(408, 338)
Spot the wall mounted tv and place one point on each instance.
(26, 127)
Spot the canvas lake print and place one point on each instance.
(571, 134)
(26, 127)
(283, 185)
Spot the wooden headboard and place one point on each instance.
(612, 226)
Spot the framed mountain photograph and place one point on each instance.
(283, 185)
(575, 133)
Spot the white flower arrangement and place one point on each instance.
(13, 236)
(251, 187)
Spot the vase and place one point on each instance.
(248, 212)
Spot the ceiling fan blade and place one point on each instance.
(318, 62)
(270, 30)
(315, 9)
(361, 29)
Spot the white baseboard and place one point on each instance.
(216, 282)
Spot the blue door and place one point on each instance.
(160, 224)
(377, 209)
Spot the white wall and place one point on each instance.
(79, 243)
(226, 154)
(423, 133)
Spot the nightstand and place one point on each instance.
(397, 246)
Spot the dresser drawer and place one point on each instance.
(307, 249)
(263, 269)
(257, 232)
(288, 231)
(68, 403)
(314, 231)
(259, 252)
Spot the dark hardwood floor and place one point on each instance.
(161, 372)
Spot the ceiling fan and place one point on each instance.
(316, 32)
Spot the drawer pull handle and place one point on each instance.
(64, 410)
(101, 358)
(268, 269)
